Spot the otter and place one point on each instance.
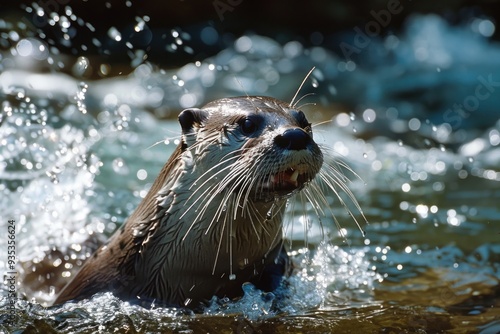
(212, 220)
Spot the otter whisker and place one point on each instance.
(337, 164)
(300, 87)
(306, 219)
(279, 232)
(340, 181)
(288, 227)
(332, 182)
(161, 141)
(212, 139)
(231, 239)
(333, 168)
(213, 191)
(317, 202)
(247, 185)
(260, 218)
(311, 195)
(234, 174)
(221, 208)
(251, 210)
(330, 174)
(219, 246)
(201, 186)
(321, 123)
(306, 104)
(209, 173)
(232, 189)
(266, 171)
(228, 192)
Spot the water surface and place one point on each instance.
(77, 155)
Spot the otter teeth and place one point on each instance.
(285, 179)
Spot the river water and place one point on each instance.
(416, 119)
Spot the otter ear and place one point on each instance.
(191, 120)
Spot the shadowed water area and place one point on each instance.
(414, 113)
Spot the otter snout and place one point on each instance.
(293, 139)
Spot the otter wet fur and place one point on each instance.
(213, 218)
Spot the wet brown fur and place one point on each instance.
(111, 266)
(114, 266)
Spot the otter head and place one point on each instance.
(240, 160)
(259, 147)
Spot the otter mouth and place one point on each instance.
(286, 182)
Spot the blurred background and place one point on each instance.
(407, 93)
(366, 53)
(90, 28)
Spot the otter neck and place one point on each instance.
(233, 231)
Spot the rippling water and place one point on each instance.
(77, 156)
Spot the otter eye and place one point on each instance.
(301, 119)
(247, 126)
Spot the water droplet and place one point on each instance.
(120, 167)
(81, 66)
(104, 69)
(19, 93)
(113, 33)
(232, 277)
(369, 115)
(24, 48)
(53, 177)
(142, 174)
(83, 85)
(139, 26)
(314, 82)
(137, 232)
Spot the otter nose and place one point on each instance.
(293, 139)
